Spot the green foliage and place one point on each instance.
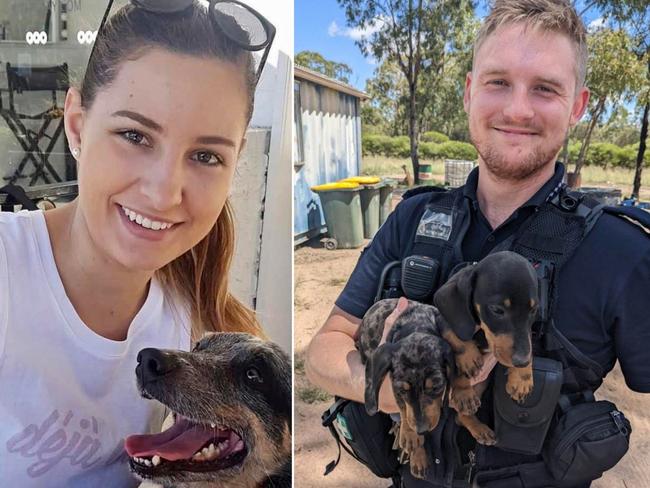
(398, 147)
(316, 62)
(380, 145)
(608, 155)
(614, 69)
(458, 150)
(433, 136)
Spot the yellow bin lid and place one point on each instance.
(363, 180)
(339, 185)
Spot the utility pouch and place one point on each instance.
(366, 438)
(529, 475)
(522, 427)
(589, 438)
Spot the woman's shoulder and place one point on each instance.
(15, 225)
(20, 231)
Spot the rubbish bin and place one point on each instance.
(425, 173)
(341, 203)
(386, 199)
(370, 186)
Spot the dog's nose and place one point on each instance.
(520, 361)
(154, 363)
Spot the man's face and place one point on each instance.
(521, 99)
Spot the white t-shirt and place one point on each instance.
(68, 397)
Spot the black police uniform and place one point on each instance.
(601, 302)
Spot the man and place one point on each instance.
(525, 90)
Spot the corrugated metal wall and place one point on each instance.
(331, 129)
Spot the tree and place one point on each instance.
(614, 72)
(634, 17)
(388, 94)
(417, 35)
(316, 62)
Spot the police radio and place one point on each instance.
(415, 277)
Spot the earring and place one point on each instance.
(75, 152)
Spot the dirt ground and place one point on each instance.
(319, 276)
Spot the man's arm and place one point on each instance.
(334, 364)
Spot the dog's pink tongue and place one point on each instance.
(180, 441)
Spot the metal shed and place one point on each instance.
(326, 146)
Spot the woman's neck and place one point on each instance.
(499, 198)
(105, 295)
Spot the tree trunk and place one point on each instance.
(640, 155)
(585, 144)
(413, 133)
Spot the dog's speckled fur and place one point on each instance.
(417, 358)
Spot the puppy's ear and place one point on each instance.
(454, 301)
(376, 369)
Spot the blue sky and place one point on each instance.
(320, 26)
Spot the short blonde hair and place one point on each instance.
(547, 15)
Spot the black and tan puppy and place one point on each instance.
(498, 296)
(231, 401)
(416, 357)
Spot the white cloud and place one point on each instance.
(596, 23)
(356, 33)
(333, 29)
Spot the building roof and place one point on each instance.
(302, 73)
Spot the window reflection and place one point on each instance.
(44, 48)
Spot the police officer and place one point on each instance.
(525, 91)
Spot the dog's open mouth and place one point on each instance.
(185, 446)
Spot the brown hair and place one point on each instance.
(548, 15)
(200, 275)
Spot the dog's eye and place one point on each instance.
(496, 310)
(254, 375)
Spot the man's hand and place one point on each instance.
(387, 401)
(333, 363)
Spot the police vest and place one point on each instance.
(548, 238)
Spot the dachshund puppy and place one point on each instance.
(497, 296)
(231, 403)
(417, 358)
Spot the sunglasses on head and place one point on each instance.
(242, 24)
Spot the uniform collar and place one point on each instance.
(545, 193)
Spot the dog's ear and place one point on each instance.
(454, 301)
(377, 367)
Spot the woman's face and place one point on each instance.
(158, 153)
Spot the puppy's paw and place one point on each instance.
(465, 401)
(469, 362)
(484, 435)
(418, 462)
(519, 384)
(409, 440)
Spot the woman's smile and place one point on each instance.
(144, 227)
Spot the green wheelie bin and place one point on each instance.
(341, 203)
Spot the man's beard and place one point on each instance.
(530, 165)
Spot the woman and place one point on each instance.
(141, 257)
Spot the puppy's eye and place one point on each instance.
(254, 375)
(496, 310)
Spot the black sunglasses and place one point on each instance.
(242, 24)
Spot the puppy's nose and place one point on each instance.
(154, 363)
(520, 361)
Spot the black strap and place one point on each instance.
(327, 419)
(16, 195)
